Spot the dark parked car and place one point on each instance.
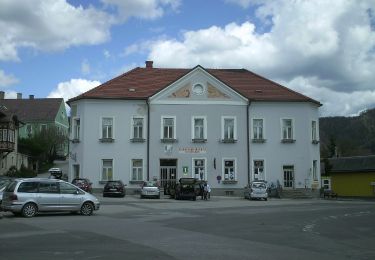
(114, 188)
(186, 189)
(55, 173)
(83, 184)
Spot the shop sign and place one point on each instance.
(194, 150)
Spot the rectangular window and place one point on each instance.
(229, 128)
(229, 170)
(287, 128)
(107, 127)
(199, 128)
(199, 169)
(259, 170)
(29, 130)
(314, 170)
(168, 128)
(43, 127)
(313, 131)
(5, 135)
(137, 128)
(107, 170)
(77, 127)
(258, 129)
(137, 170)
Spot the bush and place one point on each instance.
(22, 173)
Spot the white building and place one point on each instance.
(227, 126)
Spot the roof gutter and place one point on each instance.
(148, 139)
(248, 140)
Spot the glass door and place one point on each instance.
(288, 176)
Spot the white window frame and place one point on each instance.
(204, 165)
(76, 134)
(234, 127)
(143, 127)
(193, 127)
(314, 170)
(223, 168)
(101, 128)
(141, 167)
(162, 127)
(264, 168)
(292, 128)
(31, 129)
(314, 130)
(263, 129)
(102, 168)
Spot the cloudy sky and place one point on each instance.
(323, 48)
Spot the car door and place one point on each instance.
(48, 197)
(71, 197)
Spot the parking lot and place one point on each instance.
(221, 228)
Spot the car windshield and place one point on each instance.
(259, 185)
(150, 184)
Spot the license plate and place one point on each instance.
(112, 189)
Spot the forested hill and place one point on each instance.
(350, 135)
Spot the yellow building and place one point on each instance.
(351, 176)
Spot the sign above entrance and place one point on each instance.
(192, 150)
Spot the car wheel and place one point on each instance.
(158, 197)
(142, 197)
(29, 210)
(87, 209)
(265, 199)
(194, 198)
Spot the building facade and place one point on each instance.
(229, 127)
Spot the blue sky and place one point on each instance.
(324, 48)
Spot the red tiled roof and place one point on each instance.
(141, 83)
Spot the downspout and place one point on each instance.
(148, 139)
(248, 141)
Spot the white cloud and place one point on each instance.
(49, 26)
(242, 3)
(106, 54)
(338, 51)
(72, 88)
(334, 103)
(7, 80)
(146, 9)
(85, 67)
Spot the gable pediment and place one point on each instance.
(198, 86)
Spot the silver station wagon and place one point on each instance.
(33, 195)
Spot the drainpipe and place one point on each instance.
(148, 139)
(248, 141)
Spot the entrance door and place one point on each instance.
(168, 171)
(288, 176)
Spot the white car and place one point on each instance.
(256, 190)
(150, 189)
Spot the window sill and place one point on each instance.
(288, 141)
(168, 140)
(229, 182)
(258, 140)
(199, 140)
(75, 141)
(228, 141)
(107, 140)
(314, 141)
(137, 140)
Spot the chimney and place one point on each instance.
(19, 95)
(31, 96)
(2, 94)
(149, 64)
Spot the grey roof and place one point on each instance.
(33, 110)
(353, 164)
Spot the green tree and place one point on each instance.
(43, 145)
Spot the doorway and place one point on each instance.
(288, 176)
(168, 171)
